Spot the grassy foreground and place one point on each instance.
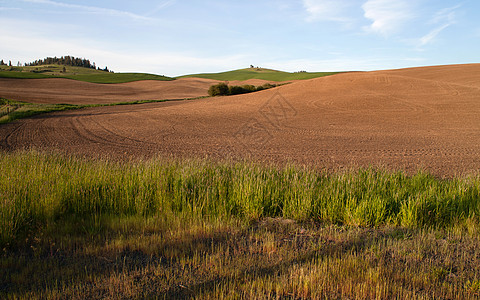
(75, 73)
(260, 73)
(80, 228)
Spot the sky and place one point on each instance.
(174, 37)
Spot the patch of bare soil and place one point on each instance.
(59, 90)
(402, 119)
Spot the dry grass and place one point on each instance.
(176, 258)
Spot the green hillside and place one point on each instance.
(76, 73)
(260, 73)
(99, 76)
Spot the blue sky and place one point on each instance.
(173, 37)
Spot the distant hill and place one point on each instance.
(64, 61)
(76, 73)
(89, 74)
(260, 73)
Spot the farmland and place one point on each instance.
(355, 185)
(339, 121)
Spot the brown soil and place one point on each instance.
(402, 119)
(57, 90)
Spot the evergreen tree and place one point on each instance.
(66, 61)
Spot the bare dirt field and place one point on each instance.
(403, 119)
(59, 90)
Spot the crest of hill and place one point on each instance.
(75, 73)
(259, 73)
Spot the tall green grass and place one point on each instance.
(38, 189)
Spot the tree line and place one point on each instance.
(64, 60)
(2, 63)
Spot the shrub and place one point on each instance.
(249, 88)
(267, 86)
(223, 89)
(237, 90)
(220, 89)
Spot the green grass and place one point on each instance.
(79, 228)
(39, 188)
(11, 110)
(96, 76)
(117, 77)
(76, 73)
(265, 74)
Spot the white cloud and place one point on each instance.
(93, 9)
(444, 19)
(160, 7)
(446, 14)
(430, 37)
(18, 37)
(326, 10)
(388, 16)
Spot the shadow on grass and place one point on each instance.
(40, 266)
(36, 264)
(331, 249)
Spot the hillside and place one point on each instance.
(401, 119)
(76, 73)
(61, 90)
(259, 73)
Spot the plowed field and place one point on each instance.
(59, 90)
(402, 119)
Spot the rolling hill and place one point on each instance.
(401, 119)
(76, 73)
(259, 73)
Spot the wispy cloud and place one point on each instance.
(93, 9)
(442, 19)
(388, 16)
(430, 37)
(326, 10)
(446, 14)
(8, 8)
(17, 38)
(160, 7)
